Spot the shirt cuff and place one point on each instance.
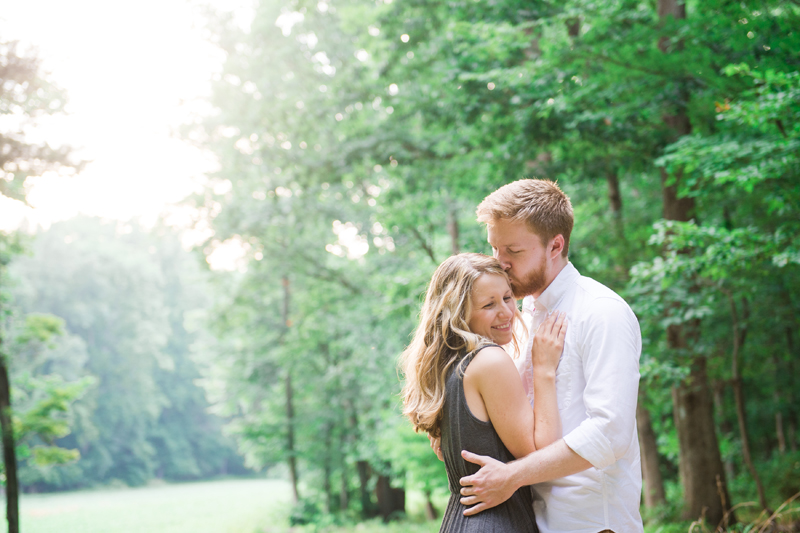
(590, 443)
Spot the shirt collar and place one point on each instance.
(554, 292)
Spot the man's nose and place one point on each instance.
(503, 260)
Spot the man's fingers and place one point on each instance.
(476, 509)
(472, 458)
(469, 500)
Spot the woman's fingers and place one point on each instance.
(548, 325)
(548, 342)
(562, 328)
(553, 324)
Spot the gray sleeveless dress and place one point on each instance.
(462, 431)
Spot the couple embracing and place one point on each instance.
(533, 413)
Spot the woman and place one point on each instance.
(461, 385)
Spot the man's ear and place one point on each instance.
(556, 246)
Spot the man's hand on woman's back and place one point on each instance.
(436, 446)
(488, 487)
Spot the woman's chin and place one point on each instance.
(501, 339)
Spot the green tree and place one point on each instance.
(25, 95)
(43, 389)
(354, 141)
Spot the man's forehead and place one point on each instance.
(510, 233)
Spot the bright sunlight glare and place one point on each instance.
(134, 72)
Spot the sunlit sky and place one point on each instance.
(133, 72)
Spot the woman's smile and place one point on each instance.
(493, 308)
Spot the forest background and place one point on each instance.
(354, 140)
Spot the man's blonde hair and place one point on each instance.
(539, 203)
(443, 337)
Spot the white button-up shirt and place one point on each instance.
(597, 383)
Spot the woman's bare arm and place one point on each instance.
(548, 344)
(494, 392)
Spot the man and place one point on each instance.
(590, 480)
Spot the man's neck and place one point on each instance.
(552, 274)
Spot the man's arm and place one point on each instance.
(495, 482)
(612, 344)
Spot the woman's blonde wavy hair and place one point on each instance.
(443, 337)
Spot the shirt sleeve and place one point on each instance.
(611, 348)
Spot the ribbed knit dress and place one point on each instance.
(462, 431)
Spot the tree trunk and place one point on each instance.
(780, 435)
(701, 472)
(700, 464)
(739, 336)
(574, 27)
(724, 427)
(327, 470)
(789, 395)
(290, 448)
(651, 474)
(675, 208)
(391, 501)
(615, 203)
(344, 496)
(290, 451)
(430, 511)
(615, 198)
(738, 395)
(9, 451)
(367, 509)
(452, 229)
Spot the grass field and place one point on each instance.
(229, 506)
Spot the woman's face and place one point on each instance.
(493, 307)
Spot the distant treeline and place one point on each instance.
(118, 299)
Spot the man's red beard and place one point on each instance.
(534, 282)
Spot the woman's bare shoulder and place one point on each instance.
(491, 358)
